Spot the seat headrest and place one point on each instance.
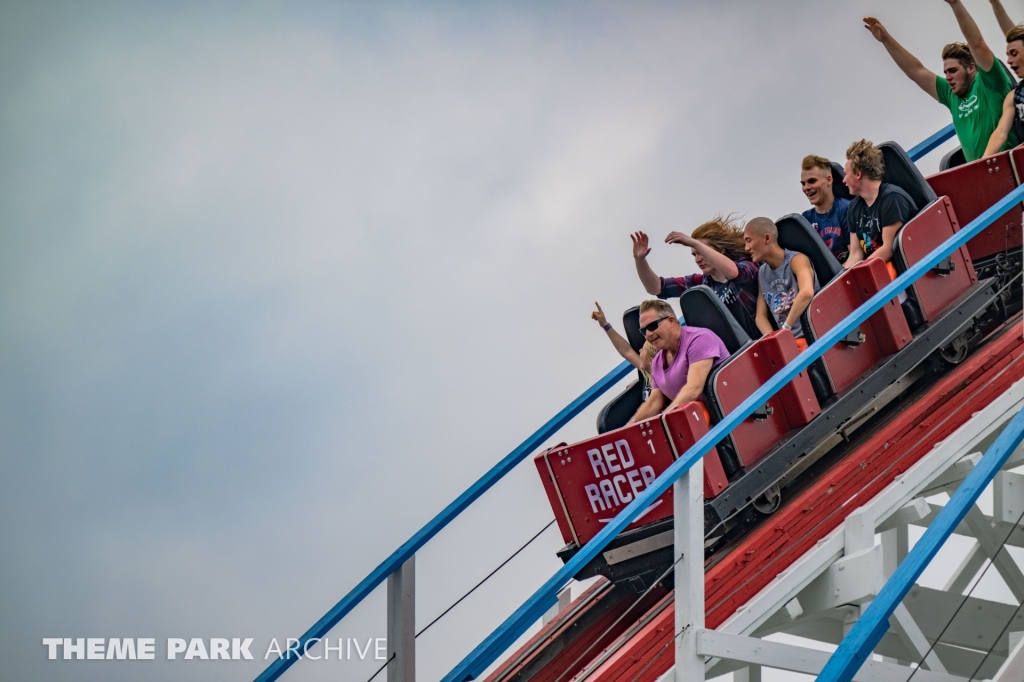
(952, 159)
(701, 308)
(1006, 70)
(839, 188)
(631, 321)
(901, 171)
(796, 234)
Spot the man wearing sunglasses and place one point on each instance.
(686, 355)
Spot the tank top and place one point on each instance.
(779, 288)
(1018, 104)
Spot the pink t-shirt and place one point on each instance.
(695, 344)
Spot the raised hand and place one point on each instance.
(876, 28)
(640, 245)
(680, 238)
(599, 315)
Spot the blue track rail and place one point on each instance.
(436, 524)
(931, 142)
(533, 608)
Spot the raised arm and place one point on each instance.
(980, 50)
(907, 62)
(1005, 22)
(621, 344)
(650, 280)
(718, 261)
(1002, 131)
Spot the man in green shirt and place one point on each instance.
(973, 85)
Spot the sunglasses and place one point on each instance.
(652, 326)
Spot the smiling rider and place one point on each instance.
(827, 214)
(878, 210)
(686, 356)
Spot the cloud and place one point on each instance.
(278, 281)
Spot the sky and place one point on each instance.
(279, 280)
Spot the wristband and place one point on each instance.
(786, 326)
(607, 326)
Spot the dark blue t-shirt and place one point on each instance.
(831, 227)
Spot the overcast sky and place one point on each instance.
(278, 280)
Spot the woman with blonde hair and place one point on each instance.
(641, 360)
(725, 267)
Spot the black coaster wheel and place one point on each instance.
(769, 501)
(956, 352)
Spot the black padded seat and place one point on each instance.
(1007, 70)
(839, 188)
(738, 313)
(621, 408)
(952, 159)
(796, 234)
(631, 322)
(617, 412)
(701, 308)
(902, 172)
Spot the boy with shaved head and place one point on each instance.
(786, 280)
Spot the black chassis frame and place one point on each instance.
(834, 417)
(641, 571)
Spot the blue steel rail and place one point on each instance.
(436, 524)
(868, 631)
(931, 142)
(488, 651)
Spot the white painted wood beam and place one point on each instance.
(802, 660)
